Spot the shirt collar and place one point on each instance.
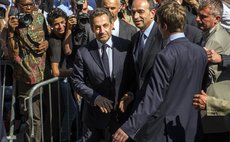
(176, 36)
(116, 24)
(148, 30)
(109, 42)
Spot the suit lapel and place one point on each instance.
(116, 55)
(93, 49)
(153, 45)
(134, 52)
(122, 31)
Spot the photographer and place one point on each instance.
(26, 33)
(82, 31)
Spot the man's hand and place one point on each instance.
(72, 20)
(43, 45)
(77, 97)
(2, 24)
(213, 56)
(120, 136)
(104, 104)
(125, 101)
(200, 100)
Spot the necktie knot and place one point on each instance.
(104, 46)
(142, 40)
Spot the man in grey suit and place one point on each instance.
(165, 113)
(121, 28)
(217, 83)
(202, 100)
(99, 76)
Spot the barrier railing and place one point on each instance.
(4, 64)
(30, 108)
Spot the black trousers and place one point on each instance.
(22, 89)
(217, 137)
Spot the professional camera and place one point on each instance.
(2, 13)
(24, 19)
(82, 18)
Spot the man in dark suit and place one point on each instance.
(99, 76)
(165, 113)
(121, 28)
(143, 17)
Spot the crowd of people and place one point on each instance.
(130, 70)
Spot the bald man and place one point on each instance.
(121, 28)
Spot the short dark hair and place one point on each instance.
(152, 4)
(98, 12)
(55, 13)
(173, 15)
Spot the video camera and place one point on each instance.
(82, 18)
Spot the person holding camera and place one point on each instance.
(27, 39)
(60, 47)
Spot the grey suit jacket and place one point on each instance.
(89, 79)
(165, 113)
(126, 31)
(218, 81)
(222, 105)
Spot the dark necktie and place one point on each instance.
(105, 59)
(141, 45)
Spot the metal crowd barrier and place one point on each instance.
(4, 64)
(28, 105)
(28, 101)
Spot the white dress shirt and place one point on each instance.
(109, 52)
(116, 27)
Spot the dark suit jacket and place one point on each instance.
(166, 113)
(141, 73)
(152, 47)
(89, 79)
(226, 61)
(126, 31)
(193, 34)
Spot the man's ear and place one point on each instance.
(164, 26)
(153, 13)
(112, 24)
(218, 18)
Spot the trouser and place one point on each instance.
(70, 110)
(22, 94)
(217, 137)
(96, 135)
